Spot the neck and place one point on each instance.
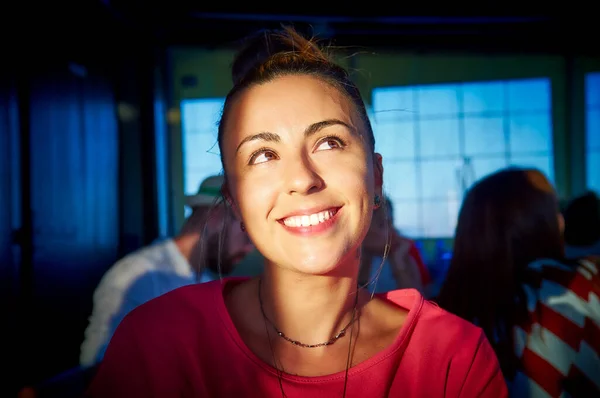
(308, 308)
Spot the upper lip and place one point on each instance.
(309, 211)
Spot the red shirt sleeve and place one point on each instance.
(484, 377)
(115, 377)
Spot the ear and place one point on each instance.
(229, 199)
(378, 173)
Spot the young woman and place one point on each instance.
(509, 275)
(302, 174)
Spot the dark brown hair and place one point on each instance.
(275, 53)
(507, 220)
(582, 220)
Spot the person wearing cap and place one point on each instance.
(210, 243)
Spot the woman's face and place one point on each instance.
(300, 173)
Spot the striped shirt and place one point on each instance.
(559, 346)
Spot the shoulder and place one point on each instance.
(455, 329)
(177, 317)
(579, 280)
(129, 268)
(180, 318)
(450, 343)
(563, 294)
(198, 299)
(125, 271)
(461, 349)
(429, 319)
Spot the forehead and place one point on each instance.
(288, 102)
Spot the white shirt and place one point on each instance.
(133, 280)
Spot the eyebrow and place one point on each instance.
(310, 130)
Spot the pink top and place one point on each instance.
(184, 344)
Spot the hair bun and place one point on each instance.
(267, 44)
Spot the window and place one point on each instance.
(437, 140)
(592, 100)
(200, 150)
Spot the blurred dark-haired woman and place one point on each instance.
(509, 276)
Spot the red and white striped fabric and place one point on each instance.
(560, 347)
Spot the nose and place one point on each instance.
(302, 177)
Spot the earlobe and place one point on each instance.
(229, 200)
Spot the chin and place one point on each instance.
(324, 264)
(322, 256)
(316, 269)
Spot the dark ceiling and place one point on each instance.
(418, 26)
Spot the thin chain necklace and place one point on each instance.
(332, 340)
(341, 334)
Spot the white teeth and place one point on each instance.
(308, 220)
(314, 219)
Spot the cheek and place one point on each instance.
(355, 176)
(254, 196)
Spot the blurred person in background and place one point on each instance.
(582, 226)
(151, 271)
(509, 276)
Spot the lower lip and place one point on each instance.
(314, 229)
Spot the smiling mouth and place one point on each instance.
(309, 220)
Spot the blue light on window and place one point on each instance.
(199, 118)
(439, 138)
(484, 135)
(530, 133)
(592, 119)
(529, 95)
(437, 100)
(394, 103)
(479, 98)
(454, 134)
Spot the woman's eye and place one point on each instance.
(262, 157)
(329, 143)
